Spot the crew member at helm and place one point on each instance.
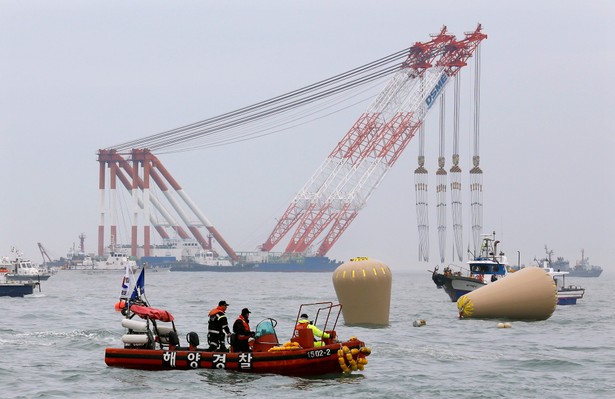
(242, 333)
(304, 322)
(218, 328)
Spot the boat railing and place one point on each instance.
(324, 310)
(329, 311)
(455, 270)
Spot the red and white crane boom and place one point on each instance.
(138, 184)
(341, 186)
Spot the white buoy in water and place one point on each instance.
(419, 323)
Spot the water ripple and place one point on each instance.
(566, 356)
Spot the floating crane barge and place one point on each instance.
(333, 196)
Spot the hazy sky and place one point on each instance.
(78, 76)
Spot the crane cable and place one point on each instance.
(253, 132)
(271, 107)
(189, 135)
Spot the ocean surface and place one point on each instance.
(52, 343)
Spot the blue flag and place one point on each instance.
(139, 286)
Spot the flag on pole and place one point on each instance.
(127, 283)
(139, 288)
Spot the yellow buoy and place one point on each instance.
(363, 287)
(529, 294)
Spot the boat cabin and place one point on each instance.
(489, 260)
(487, 267)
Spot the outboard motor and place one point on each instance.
(173, 340)
(193, 340)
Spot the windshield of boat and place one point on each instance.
(266, 327)
(487, 268)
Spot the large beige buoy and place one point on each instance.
(363, 288)
(529, 294)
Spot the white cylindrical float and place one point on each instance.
(134, 325)
(363, 288)
(135, 339)
(164, 329)
(529, 294)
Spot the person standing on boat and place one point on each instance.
(242, 333)
(218, 328)
(304, 322)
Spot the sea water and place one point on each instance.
(52, 343)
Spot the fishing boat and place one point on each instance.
(151, 343)
(566, 295)
(486, 267)
(489, 267)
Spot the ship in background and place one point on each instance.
(76, 258)
(584, 269)
(17, 268)
(581, 269)
(188, 256)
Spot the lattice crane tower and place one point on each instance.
(341, 186)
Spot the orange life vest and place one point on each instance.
(303, 324)
(246, 328)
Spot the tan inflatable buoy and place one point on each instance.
(363, 287)
(529, 294)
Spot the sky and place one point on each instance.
(78, 76)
